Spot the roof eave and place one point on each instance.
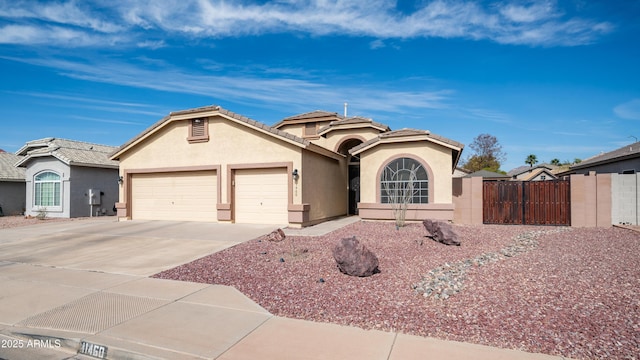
(604, 162)
(23, 162)
(94, 165)
(330, 128)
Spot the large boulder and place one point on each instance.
(354, 259)
(442, 232)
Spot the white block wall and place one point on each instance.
(624, 199)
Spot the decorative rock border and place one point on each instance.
(448, 279)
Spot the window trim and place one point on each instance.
(38, 183)
(430, 177)
(198, 138)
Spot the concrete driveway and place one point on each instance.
(128, 247)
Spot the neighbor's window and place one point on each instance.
(198, 131)
(47, 189)
(397, 182)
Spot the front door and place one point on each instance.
(354, 188)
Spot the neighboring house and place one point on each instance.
(533, 173)
(625, 160)
(488, 175)
(210, 164)
(460, 172)
(67, 178)
(12, 185)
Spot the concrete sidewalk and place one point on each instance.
(54, 313)
(322, 228)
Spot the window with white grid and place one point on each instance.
(47, 190)
(397, 182)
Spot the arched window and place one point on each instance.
(47, 189)
(404, 180)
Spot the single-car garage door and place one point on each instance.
(182, 196)
(261, 196)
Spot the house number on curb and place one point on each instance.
(98, 351)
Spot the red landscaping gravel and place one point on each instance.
(574, 295)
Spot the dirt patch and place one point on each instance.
(572, 292)
(17, 221)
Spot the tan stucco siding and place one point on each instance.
(324, 186)
(229, 143)
(437, 158)
(295, 129)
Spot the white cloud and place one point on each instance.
(535, 11)
(69, 13)
(629, 110)
(53, 35)
(537, 23)
(377, 44)
(278, 92)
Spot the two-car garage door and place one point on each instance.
(182, 196)
(260, 196)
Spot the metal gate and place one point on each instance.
(527, 202)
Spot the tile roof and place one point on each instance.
(264, 126)
(230, 114)
(312, 115)
(307, 116)
(418, 135)
(405, 133)
(352, 120)
(8, 170)
(526, 168)
(632, 150)
(70, 152)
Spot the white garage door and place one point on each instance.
(182, 196)
(261, 196)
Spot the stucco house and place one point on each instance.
(12, 185)
(68, 178)
(539, 172)
(210, 164)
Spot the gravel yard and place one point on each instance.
(16, 221)
(561, 291)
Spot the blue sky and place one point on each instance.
(558, 79)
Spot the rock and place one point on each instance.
(276, 235)
(442, 232)
(354, 259)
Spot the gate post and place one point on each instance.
(591, 200)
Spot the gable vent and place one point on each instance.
(197, 128)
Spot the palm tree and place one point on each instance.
(555, 162)
(531, 160)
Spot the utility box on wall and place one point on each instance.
(94, 197)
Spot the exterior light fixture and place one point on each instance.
(120, 180)
(295, 174)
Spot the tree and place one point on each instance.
(555, 162)
(488, 154)
(400, 187)
(531, 160)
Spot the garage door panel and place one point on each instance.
(182, 196)
(261, 196)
